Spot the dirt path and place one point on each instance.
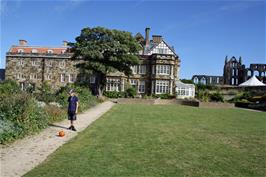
(23, 155)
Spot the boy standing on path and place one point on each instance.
(73, 105)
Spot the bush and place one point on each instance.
(164, 96)
(55, 113)
(19, 116)
(217, 97)
(131, 92)
(114, 94)
(9, 87)
(86, 99)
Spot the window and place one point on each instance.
(62, 64)
(133, 83)
(217, 80)
(33, 76)
(34, 63)
(21, 76)
(20, 62)
(71, 78)
(233, 81)
(63, 51)
(203, 81)
(48, 77)
(34, 51)
(49, 63)
(20, 51)
(196, 80)
(92, 79)
(142, 69)
(134, 69)
(62, 78)
(210, 80)
(50, 51)
(163, 69)
(112, 84)
(141, 86)
(162, 86)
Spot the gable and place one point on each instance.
(161, 48)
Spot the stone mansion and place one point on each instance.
(157, 72)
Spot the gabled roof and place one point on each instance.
(154, 45)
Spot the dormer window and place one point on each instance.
(63, 51)
(20, 51)
(50, 51)
(34, 51)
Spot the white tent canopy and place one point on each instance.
(253, 81)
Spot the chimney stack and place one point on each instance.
(22, 42)
(147, 36)
(65, 43)
(156, 39)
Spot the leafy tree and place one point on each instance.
(187, 81)
(104, 51)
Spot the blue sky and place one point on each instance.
(202, 32)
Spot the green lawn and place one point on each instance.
(170, 141)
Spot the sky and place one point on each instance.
(202, 32)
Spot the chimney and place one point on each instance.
(147, 36)
(22, 42)
(156, 39)
(65, 43)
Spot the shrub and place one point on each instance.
(217, 97)
(113, 94)
(86, 99)
(164, 96)
(9, 87)
(45, 93)
(19, 116)
(131, 92)
(55, 113)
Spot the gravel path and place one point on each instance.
(25, 154)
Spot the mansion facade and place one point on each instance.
(157, 72)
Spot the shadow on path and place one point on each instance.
(58, 126)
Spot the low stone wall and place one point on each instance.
(135, 101)
(194, 103)
(215, 105)
(156, 101)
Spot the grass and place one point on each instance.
(170, 141)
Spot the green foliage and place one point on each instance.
(86, 99)
(217, 97)
(55, 113)
(105, 50)
(20, 116)
(164, 96)
(8, 87)
(45, 93)
(187, 81)
(202, 95)
(131, 92)
(241, 96)
(114, 94)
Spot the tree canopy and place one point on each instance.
(106, 50)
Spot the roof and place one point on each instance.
(40, 49)
(253, 81)
(181, 84)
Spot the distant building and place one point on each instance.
(207, 80)
(236, 73)
(2, 74)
